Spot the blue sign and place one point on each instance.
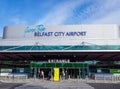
(58, 34)
(32, 30)
(39, 31)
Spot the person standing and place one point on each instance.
(42, 74)
(63, 75)
(49, 75)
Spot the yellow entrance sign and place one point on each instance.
(56, 74)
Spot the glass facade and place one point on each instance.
(85, 68)
(72, 69)
(82, 47)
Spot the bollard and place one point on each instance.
(104, 78)
(26, 77)
(5, 78)
(69, 77)
(86, 78)
(18, 78)
(77, 77)
(95, 79)
(43, 77)
(60, 77)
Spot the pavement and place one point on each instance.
(64, 84)
(105, 85)
(55, 85)
(9, 85)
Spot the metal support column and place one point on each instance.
(88, 72)
(79, 73)
(52, 73)
(35, 70)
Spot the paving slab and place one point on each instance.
(105, 85)
(55, 85)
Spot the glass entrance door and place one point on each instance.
(68, 70)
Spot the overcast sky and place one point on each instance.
(58, 12)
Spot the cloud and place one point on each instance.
(18, 21)
(109, 13)
(100, 13)
(60, 13)
(83, 12)
(111, 18)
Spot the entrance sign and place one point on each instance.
(56, 74)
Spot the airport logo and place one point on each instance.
(40, 31)
(34, 29)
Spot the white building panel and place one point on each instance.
(61, 35)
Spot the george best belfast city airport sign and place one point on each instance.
(82, 33)
(40, 31)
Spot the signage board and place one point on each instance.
(6, 70)
(115, 71)
(40, 31)
(56, 74)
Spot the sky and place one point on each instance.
(58, 12)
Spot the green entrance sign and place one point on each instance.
(58, 65)
(115, 71)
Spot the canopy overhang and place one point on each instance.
(79, 55)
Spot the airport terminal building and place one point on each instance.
(78, 49)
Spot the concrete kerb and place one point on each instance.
(68, 80)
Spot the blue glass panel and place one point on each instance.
(91, 47)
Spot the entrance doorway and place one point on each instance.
(67, 70)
